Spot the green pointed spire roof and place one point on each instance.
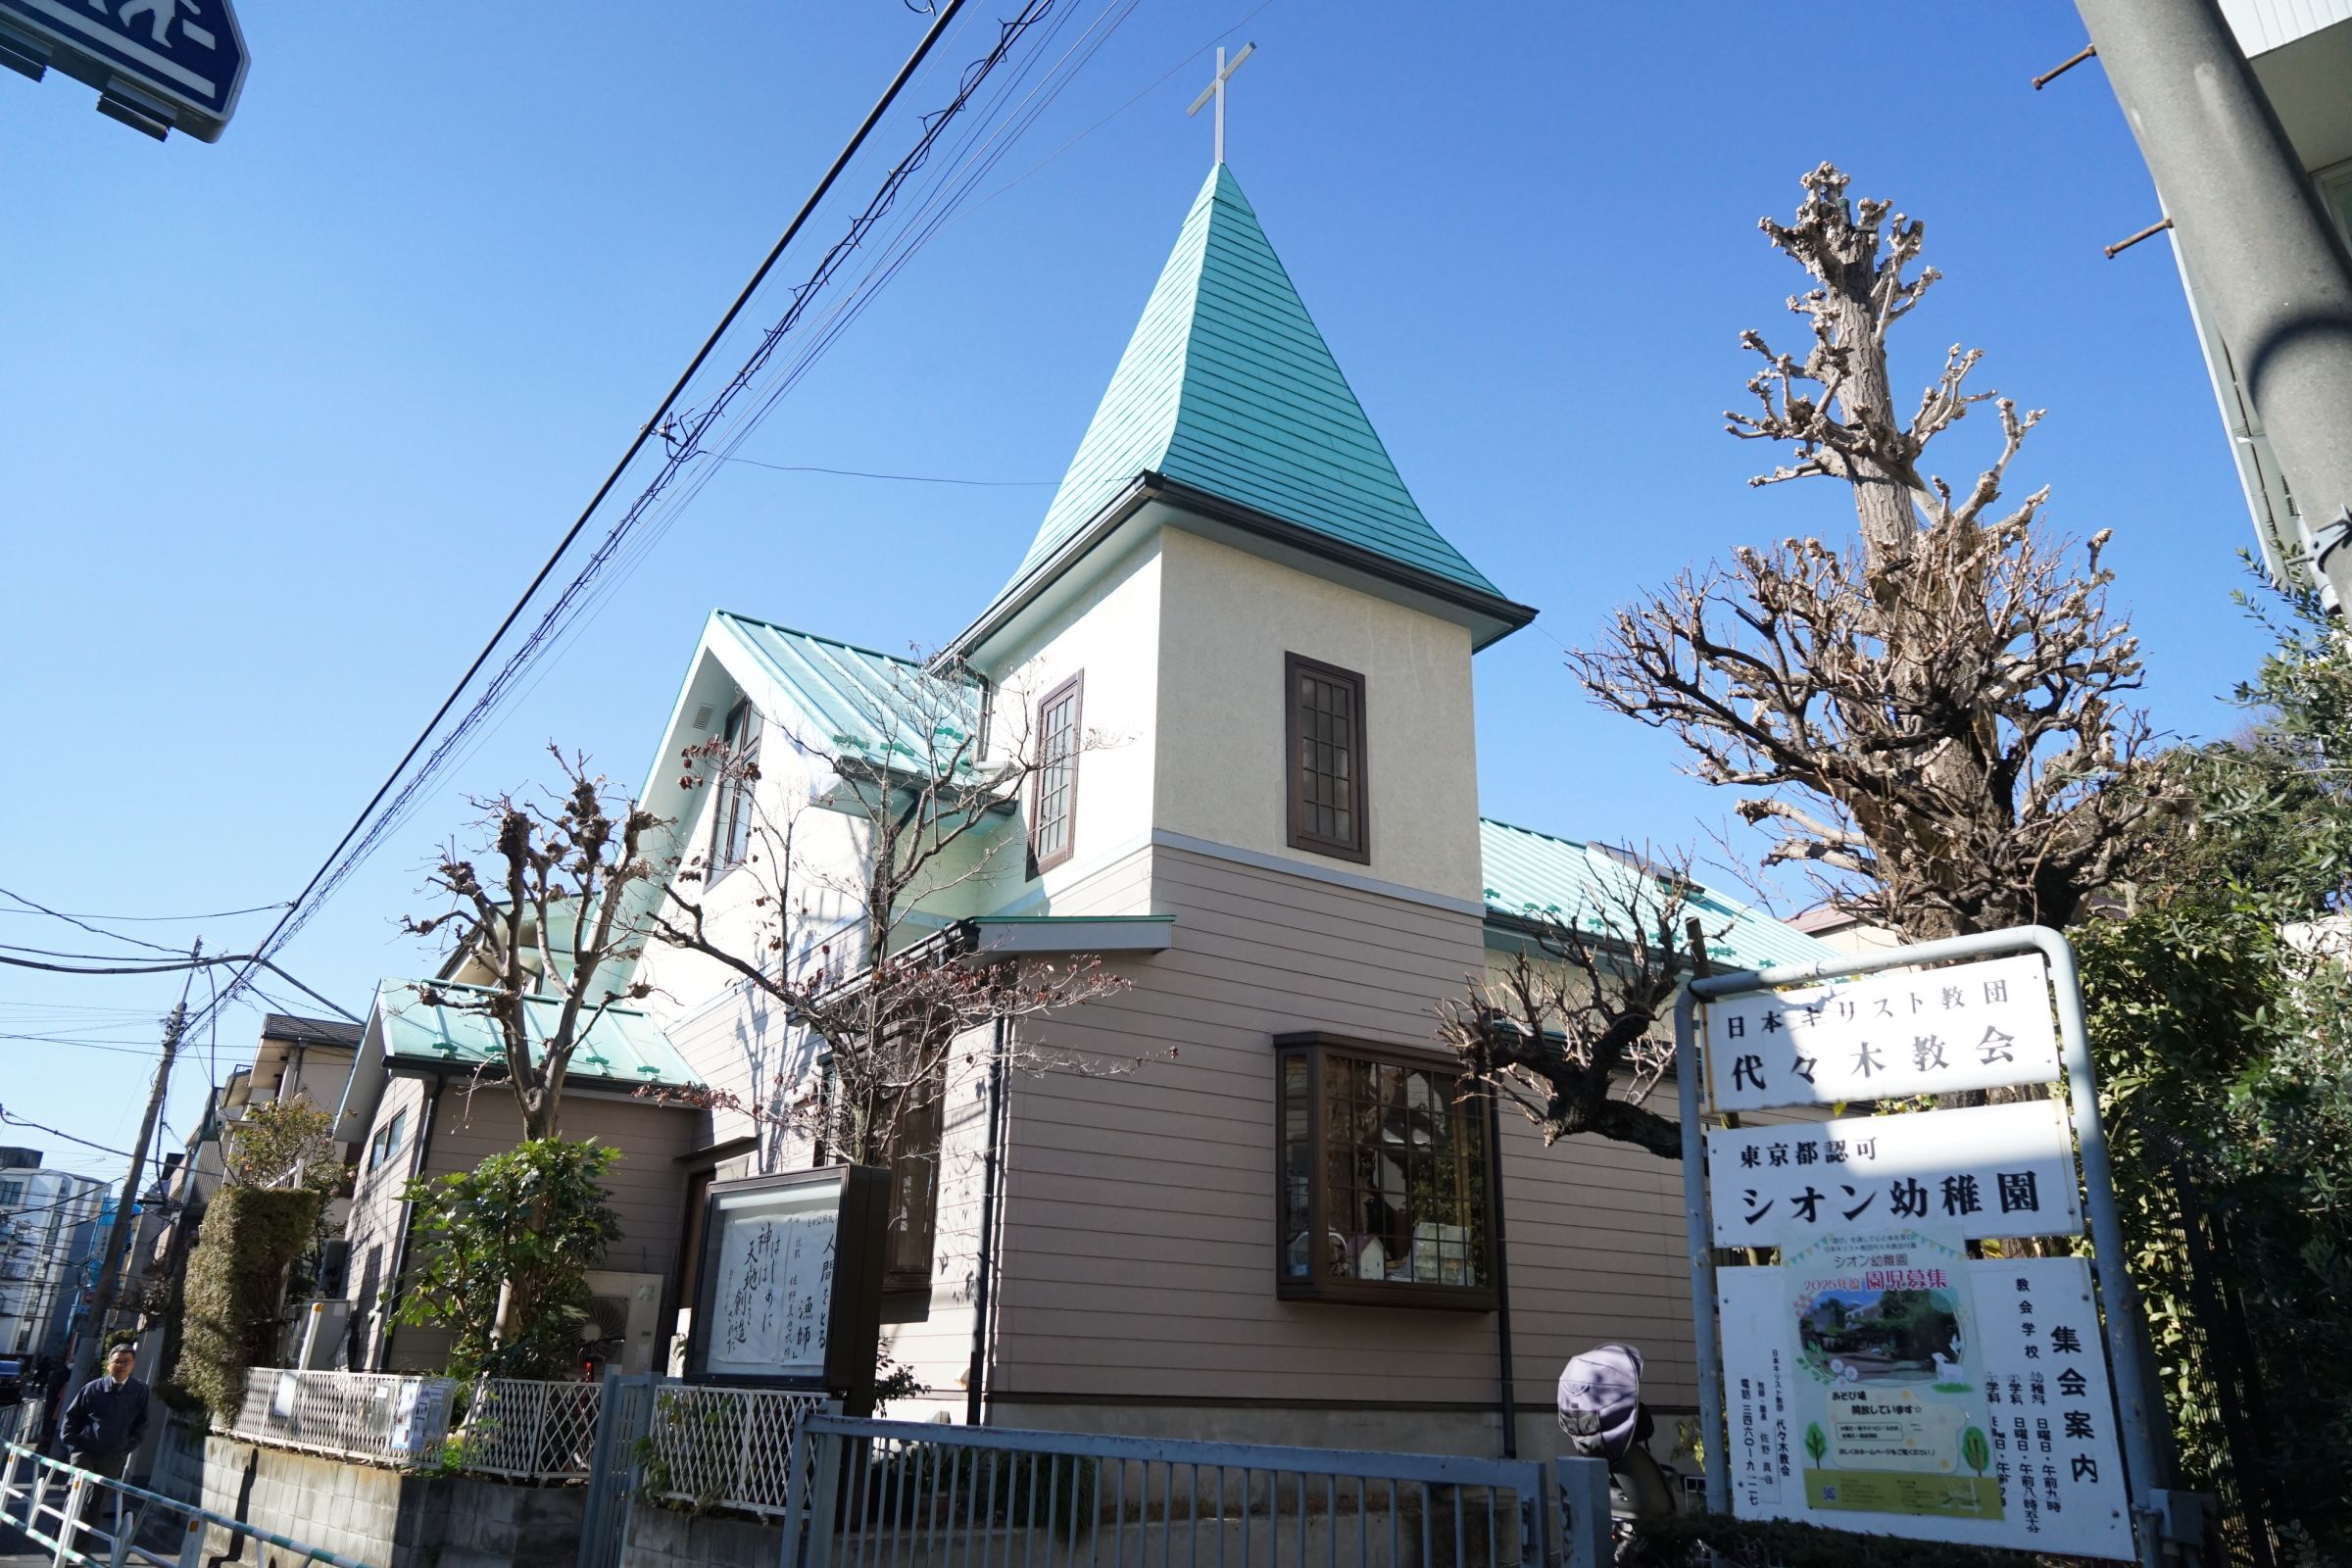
(1227, 388)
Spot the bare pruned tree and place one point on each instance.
(549, 923)
(1566, 1030)
(1933, 720)
(848, 861)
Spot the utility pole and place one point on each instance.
(2261, 252)
(117, 1236)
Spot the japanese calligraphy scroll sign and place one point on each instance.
(1879, 1377)
(789, 1293)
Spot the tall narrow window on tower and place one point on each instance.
(1325, 730)
(1055, 813)
(731, 819)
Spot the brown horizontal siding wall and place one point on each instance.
(1139, 1236)
(646, 1185)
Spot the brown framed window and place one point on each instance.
(1324, 728)
(731, 817)
(1053, 805)
(1382, 1165)
(914, 1160)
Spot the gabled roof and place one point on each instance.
(1536, 877)
(866, 704)
(310, 1031)
(621, 1048)
(1228, 390)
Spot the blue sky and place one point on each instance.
(286, 421)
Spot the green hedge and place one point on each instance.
(234, 1288)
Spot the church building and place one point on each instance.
(1280, 1223)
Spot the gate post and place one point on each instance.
(1583, 1493)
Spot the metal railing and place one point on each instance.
(721, 1448)
(16, 1420)
(377, 1417)
(86, 1518)
(921, 1496)
(529, 1431)
(513, 1427)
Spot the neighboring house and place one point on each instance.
(48, 1229)
(1279, 1224)
(2301, 52)
(425, 1100)
(1849, 935)
(294, 1059)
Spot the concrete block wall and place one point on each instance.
(382, 1517)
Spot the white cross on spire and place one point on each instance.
(1215, 90)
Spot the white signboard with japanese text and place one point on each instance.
(774, 1285)
(1986, 1170)
(1880, 1382)
(1971, 1026)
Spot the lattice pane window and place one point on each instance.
(1055, 811)
(731, 819)
(1385, 1169)
(1326, 735)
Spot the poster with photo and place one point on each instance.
(1886, 1384)
(1888, 1413)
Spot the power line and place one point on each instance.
(1146, 92)
(78, 922)
(13, 1120)
(910, 478)
(100, 966)
(338, 865)
(109, 1047)
(139, 919)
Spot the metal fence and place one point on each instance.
(85, 1518)
(511, 1427)
(378, 1417)
(720, 1448)
(529, 1431)
(920, 1495)
(17, 1420)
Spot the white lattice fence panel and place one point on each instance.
(725, 1447)
(352, 1415)
(529, 1430)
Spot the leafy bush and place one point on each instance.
(503, 1253)
(2222, 1018)
(234, 1288)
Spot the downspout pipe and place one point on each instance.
(976, 1378)
(1506, 1378)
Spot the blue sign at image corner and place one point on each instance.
(189, 53)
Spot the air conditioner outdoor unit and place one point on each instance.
(623, 1316)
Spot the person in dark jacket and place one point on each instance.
(106, 1417)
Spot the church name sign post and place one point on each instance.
(1879, 1379)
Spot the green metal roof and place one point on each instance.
(1535, 876)
(1227, 386)
(866, 703)
(622, 1047)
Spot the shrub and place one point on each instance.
(502, 1254)
(234, 1288)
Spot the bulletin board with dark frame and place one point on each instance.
(788, 1287)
